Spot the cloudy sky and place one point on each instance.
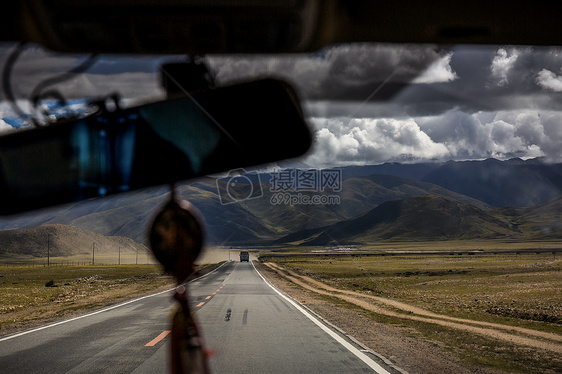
(369, 104)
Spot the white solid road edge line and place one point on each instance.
(360, 355)
(80, 317)
(97, 311)
(209, 273)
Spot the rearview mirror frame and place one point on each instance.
(208, 132)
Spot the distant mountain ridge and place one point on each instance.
(511, 183)
(523, 191)
(253, 220)
(408, 171)
(426, 217)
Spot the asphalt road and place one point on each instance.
(250, 326)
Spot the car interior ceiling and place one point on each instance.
(207, 27)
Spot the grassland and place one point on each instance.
(497, 290)
(35, 294)
(144, 258)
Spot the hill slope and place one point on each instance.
(417, 218)
(249, 221)
(482, 184)
(543, 221)
(511, 183)
(62, 240)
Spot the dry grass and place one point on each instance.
(527, 287)
(37, 294)
(522, 290)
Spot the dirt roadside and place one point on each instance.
(406, 349)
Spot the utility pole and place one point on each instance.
(119, 255)
(48, 249)
(137, 261)
(93, 252)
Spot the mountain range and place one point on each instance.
(429, 201)
(427, 217)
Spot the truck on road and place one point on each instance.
(244, 256)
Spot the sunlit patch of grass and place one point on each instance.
(477, 350)
(524, 288)
(24, 295)
(473, 350)
(519, 289)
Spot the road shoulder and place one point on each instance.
(400, 344)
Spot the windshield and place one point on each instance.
(427, 211)
(420, 102)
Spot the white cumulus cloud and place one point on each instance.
(453, 135)
(368, 141)
(502, 134)
(549, 80)
(502, 64)
(439, 71)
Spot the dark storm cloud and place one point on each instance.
(504, 102)
(345, 72)
(375, 103)
(129, 76)
(492, 78)
(421, 80)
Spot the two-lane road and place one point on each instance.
(251, 327)
(254, 329)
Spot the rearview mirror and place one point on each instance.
(164, 142)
